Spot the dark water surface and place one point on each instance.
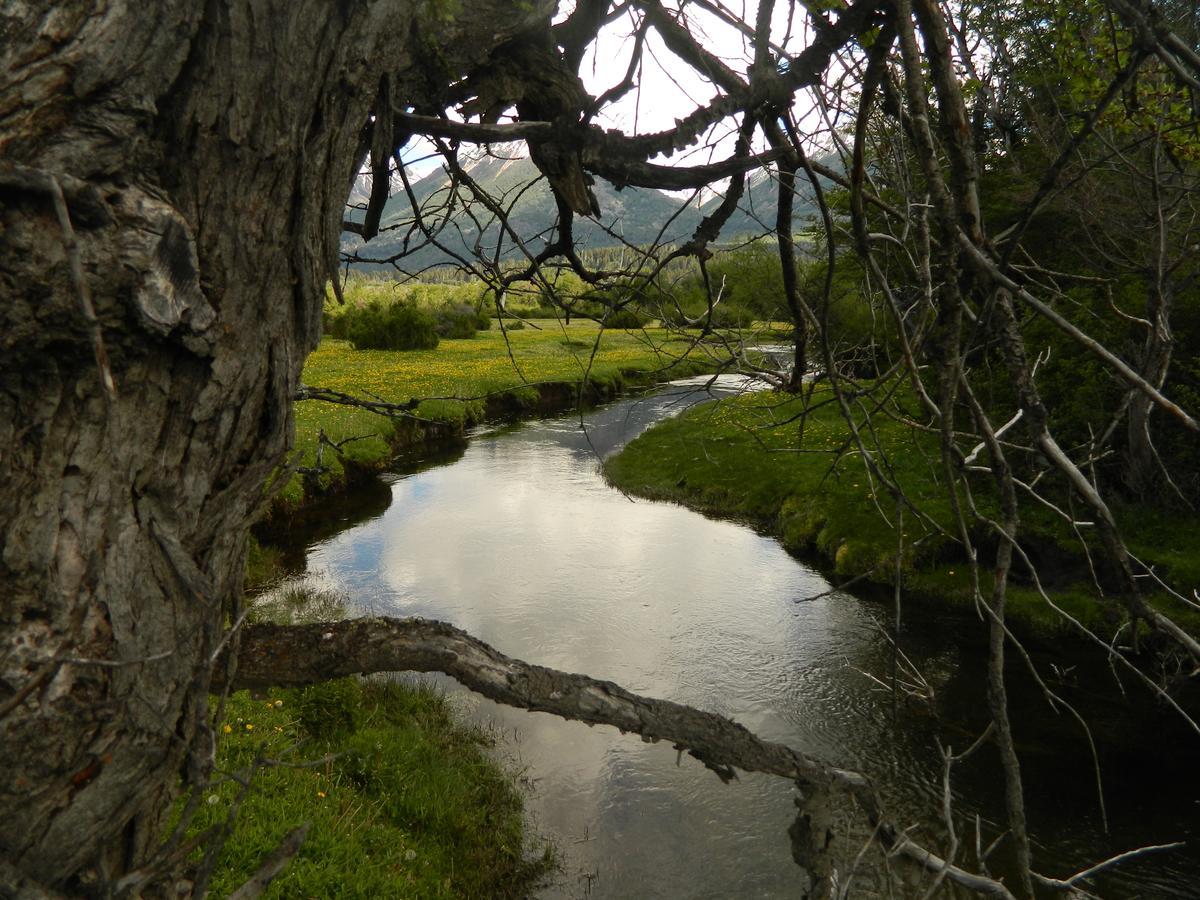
(522, 543)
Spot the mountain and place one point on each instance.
(638, 216)
(759, 205)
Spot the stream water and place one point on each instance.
(521, 542)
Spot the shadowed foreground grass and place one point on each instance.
(753, 458)
(405, 800)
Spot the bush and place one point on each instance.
(728, 315)
(396, 326)
(513, 324)
(459, 320)
(751, 279)
(695, 315)
(624, 318)
(570, 310)
(335, 321)
(330, 709)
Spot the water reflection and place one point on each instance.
(521, 543)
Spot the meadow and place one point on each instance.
(464, 381)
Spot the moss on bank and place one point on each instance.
(464, 382)
(753, 458)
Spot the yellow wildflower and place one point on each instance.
(227, 729)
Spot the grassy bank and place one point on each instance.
(404, 799)
(465, 382)
(752, 458)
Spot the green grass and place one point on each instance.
(748, 458)
(264, 565)
(1171, 542)
(744, 457)
(457, 378)
(404, 801)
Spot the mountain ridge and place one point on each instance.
(638, 216)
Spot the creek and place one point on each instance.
(520, 541)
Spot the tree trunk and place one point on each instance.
(180, 170)
(1142, 468)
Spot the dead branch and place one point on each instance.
(273, 863)
(328, 395)
(282, 655)
(1071, 883)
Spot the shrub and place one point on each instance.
(513, 324)
(728, 315)
(695, 315)
(397, 326)
(459, 320)
(330, 709)
(624, 318)
(334, 324)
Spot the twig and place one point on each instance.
(274, 863)
(1066, 884)
(81, 286)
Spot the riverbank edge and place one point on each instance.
(935, 579)
(420, 437)
(875, 586)
(411, 796)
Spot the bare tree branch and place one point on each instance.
(273, 863)
(283, 655)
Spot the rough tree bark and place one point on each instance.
(203, 152)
